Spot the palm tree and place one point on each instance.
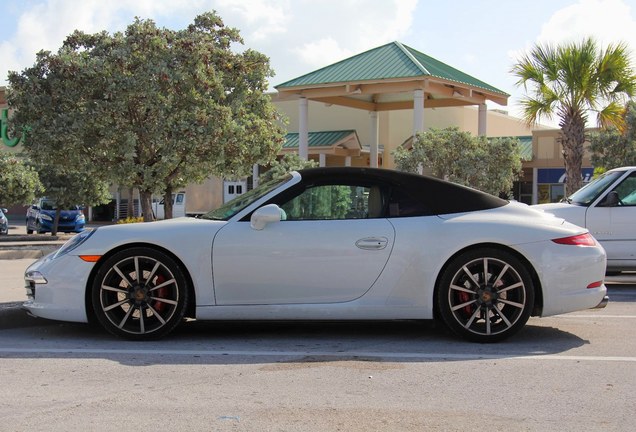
(570, 81)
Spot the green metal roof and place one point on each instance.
(525, 149)
(318, 139)
(525, 146)
(390, 61)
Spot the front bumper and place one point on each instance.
(63, 226)
(56, 288)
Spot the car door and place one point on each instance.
(330, 247)
(614, 225)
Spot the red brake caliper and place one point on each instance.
(160, 293)
(463, 298)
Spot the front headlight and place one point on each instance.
(74, 242)
(46, 217)
(80, 217)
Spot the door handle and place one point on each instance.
(372, 243)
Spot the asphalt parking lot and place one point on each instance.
(573, 372)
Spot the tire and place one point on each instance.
(144, 308)
(38, 228)
(28, 230)
(485, 295)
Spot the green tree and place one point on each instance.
(612, 147)
(68, 188)
(289, 162)
(570, 81)
(490, 165)
(150, 108)
(19, 182)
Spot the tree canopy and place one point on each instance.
(490, 165)
(150, 108)
(613, 147)
(289, 162)
(569, 81)
(19, 182)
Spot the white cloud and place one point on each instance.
(322, 52)
(262, 17)
(45, 25)
(608, 21)
(331, 30)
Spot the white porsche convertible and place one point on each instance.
(329, 244)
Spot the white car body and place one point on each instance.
(379, 268)
(613, 224)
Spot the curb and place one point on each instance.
(14, 252)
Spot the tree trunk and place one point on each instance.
(572, 139)
(167, 203)
(56, 220)
(146, 205)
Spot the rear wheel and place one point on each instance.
(485, 295)
(140, 293)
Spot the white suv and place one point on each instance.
(607, 208)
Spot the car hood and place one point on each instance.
(180, 235)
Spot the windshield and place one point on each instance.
(48, 204)
(229, 209)
(588, 193)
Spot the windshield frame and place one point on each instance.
(594, 189)
(235, 206)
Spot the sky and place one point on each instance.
(483, 38)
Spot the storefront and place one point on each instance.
(551, 183)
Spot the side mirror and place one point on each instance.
(265, 215)
(4, 210)
(611, 200)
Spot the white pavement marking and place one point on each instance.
(592, 316)
(331, 354)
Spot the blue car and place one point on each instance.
(41, 215)
(4, 223)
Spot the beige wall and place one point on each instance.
(396, 126)
(547, 151)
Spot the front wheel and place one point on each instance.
(140, 293)
(485, 295)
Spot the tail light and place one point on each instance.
(577, 240)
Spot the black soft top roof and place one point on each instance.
(434, 195)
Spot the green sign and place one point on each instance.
(4, 125)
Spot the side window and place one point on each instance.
(179, 198)
(332, 202)
(627, 190)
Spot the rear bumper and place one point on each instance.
(602, 304)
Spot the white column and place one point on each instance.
(348, 161)
(303, 129)
(255, 175)
(322, 159)
(535, 186)
(418, 111)
(482, 120)
(375, 140)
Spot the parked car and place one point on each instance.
(4, 223)
(40, 217)
(329, 244)
(607, 208)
